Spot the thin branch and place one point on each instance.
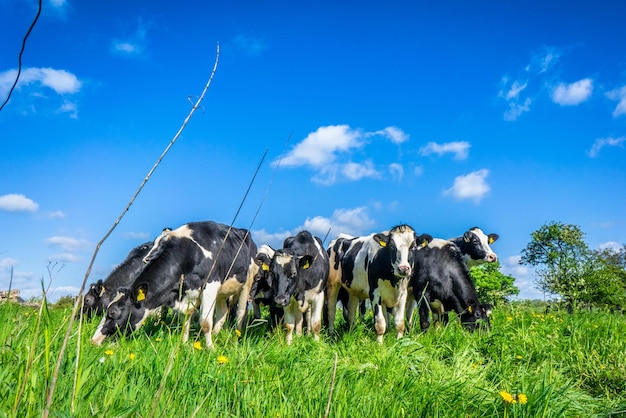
(19, 57)
(50, 396)
(332, 386)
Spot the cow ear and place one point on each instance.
(140, 294)
(492, 238)
(381, 239)
(305, 261)
(424, 240)
(102, 290)
(466, 237)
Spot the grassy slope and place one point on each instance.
(567, 365)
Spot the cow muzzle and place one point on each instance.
(281, 300)
(404, 271)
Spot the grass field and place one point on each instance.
(528, 365)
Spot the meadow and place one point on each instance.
(530, 364)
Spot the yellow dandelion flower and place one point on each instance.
(109, 352)
(222, 359)
(238, 333)
(509, 318)
(157, 339)
(506, 396)
(131, 356)
(519, 357)
(197, 345)
(522, 398)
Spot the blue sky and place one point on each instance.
(444, 115)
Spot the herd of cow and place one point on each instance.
(215, 270)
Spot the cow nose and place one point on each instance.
(404, 270)
(280, 300)
(492, 258)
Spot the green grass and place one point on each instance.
(566, 365)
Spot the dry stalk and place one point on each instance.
(55, 375)
(332, 386)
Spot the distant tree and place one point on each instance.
(491, 285)
(561, 259)
(606, 281)
(65, 302)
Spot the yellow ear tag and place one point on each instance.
(306, 265)
(265, 267)
(102, 292)
(424, 243)
(469, 309)
(382, 243)
(491, 241)
(140, 295)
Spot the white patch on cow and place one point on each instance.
(484, 242)
(283, 259)
(188, 302)
(438, 243)
(181, 232)
(156, 243)
(209, 300)
(403, 240)
(98, 336)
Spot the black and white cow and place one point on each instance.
(378, 267)
(298, 274)
(203, 262)
(261, 292)
(475, 246)
(441, 281)
(100, 294)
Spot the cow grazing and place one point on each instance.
(261, 292)
(100, 294)
(441, 280)
(203, 262)
(475, 246)
(378, 267)
(298, 274)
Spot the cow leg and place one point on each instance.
(411, 304)
(332, 292)
(353, 305)
(289, 321)
(221, 312)
(315, 320)
(379, 321)
(209, 299)
(298, 320)
(424, 313)
(256, 310)
(187, 325)
(242, 303)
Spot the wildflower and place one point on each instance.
(102, 359)
(507, 397)
(157, 339)
(518, 357)
(522, 398)
(222, 359)
(238, 333)
(197, 345)
(109, 352)
(132, 356)
(509, 318)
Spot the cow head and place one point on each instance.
(261, 291)
(477, 246)
(475, 316)
(401, 242)
(284, 271)
(91, 300)
(124, 314)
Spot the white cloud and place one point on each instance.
(6, 263)
(354, 221)
(65, 258)
(55, 215)
(458, 148)
(70, 108)
(516, 109)
(68, 244)
(620, 96)
(357, 171)
(327, 149)
(602, 142)
(396, 170)
(470, 186)
(514, 91)
(611, 245)
(395, 134)
(133, 45)
(17, 203)
(574, 93)
(419, 170)
(61, 81)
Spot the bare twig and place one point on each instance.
(55, 375)
(332, 386)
